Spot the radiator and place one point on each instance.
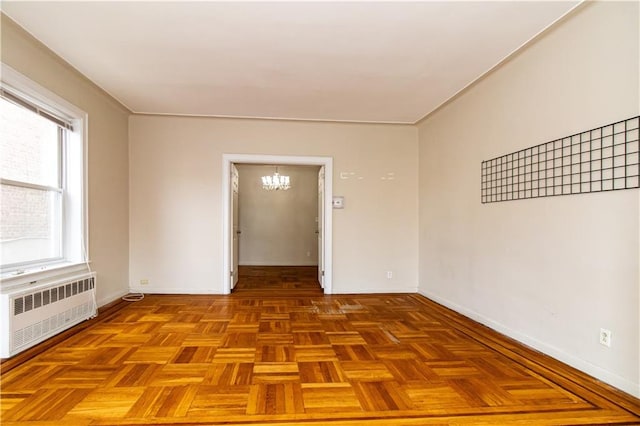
(33, 314)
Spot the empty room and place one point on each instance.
(330, 213)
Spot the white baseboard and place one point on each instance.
(374, 290)
(105, 300)
(582, 365)
(285, 264)
(172, 290)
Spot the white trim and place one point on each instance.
(78, 139)
(276, 263)
(498, 64)
(22, 184)
(228, 159)
(379, 290)
(35, 92)
(582, 365)
(268, 118)
(172, 290)
(35, 275)
(105, 300)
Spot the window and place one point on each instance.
(41, 179)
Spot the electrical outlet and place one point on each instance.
(144, 282)
(605, 337)
(389, 274)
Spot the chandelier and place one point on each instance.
(275, 182)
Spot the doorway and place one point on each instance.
(278, 227)
(324, 212)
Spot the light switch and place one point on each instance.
(338, 202)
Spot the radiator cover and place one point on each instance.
(34, 313)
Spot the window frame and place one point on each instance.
(73, 180)
(59, 189)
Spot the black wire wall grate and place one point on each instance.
(601, 159)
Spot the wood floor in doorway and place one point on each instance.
(271, 280)
(283, 353)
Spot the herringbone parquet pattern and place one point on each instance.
(283, 353)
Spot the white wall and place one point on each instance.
(176, 209)
(108, 178)
(278, 227)
(549, 271)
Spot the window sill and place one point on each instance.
(9, 280)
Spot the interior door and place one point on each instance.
(235, 227)
(321, 226)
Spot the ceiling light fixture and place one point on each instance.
(276, 182)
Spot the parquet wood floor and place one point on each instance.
(279, 352)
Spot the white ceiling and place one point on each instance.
(349, 61)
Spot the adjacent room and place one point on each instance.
(275, 227)
(337, 213)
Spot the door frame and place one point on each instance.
(234, 221)
(228, 159)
